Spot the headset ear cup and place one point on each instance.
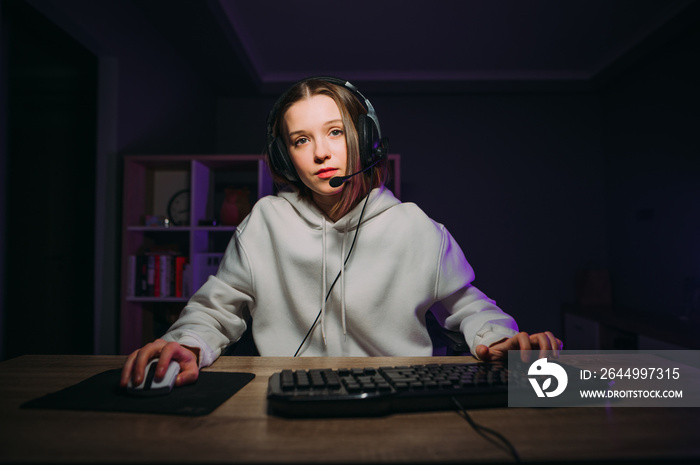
(280, 160)
(367, 135)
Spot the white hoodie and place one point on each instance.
(285, 256)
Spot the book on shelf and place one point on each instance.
(155, 274)
(180, 270)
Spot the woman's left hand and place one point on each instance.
(545, 342)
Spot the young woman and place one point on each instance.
(336, 266)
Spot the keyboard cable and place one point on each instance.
(487, 433)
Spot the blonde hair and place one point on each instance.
(356, 187)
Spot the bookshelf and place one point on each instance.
(151, 184)
(150, 302)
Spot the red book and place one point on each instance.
(179, 268)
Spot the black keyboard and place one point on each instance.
(386, 390)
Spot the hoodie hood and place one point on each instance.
(380, 200)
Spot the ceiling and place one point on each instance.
(419, 45)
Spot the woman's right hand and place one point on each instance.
(165, 351)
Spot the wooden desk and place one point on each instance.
(241, 431)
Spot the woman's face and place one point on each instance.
(316, 145)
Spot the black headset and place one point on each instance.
(373, 147)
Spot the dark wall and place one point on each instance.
(515, 178)
(652, 145)
(163, 106)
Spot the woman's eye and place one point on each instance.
(336, 132)
(300, 141)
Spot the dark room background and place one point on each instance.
(536, 184)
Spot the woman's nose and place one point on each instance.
(322, 152)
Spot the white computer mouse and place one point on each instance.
(152, 387)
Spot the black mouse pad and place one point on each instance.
(102, 392)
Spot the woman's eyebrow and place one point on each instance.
(326, 124)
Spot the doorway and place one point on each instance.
(50, 211)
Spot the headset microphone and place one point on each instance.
(339, 180)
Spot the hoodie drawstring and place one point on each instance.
(342, 277)
(323, 283)
(323, 280)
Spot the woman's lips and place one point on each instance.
(326, 173)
